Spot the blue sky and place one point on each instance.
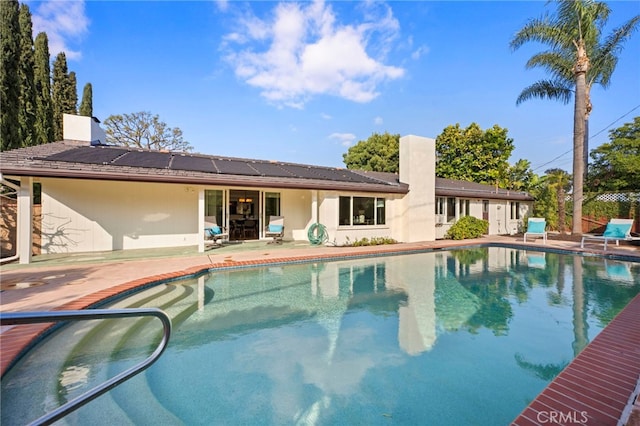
(303, 81)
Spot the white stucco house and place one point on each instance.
(97, 197)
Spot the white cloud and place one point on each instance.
(326, 116)
(345, 139)
(422, 50)
(378, 121)
(223, 5)
(64, 22)
(301, 51)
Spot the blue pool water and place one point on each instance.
(465, 337)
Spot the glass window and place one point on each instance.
(362, 211)
(440, 202)
(515, 210)
(464, 207)
(271, 204)
(213, 205)
(380, 211)
(344, 215)
(451, 209)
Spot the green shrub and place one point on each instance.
(374, 241)
(467, 227)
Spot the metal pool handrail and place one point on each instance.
(90, 395)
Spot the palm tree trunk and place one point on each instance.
(579, 115)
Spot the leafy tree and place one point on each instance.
(71, 96)
(546, 204)
(576, 60)
(143, 130)
(559, 181)
(520, 177)
(616, 164)
(86, 106)
(44, 109)
(9, 77)
(473, 155)
(379, 153)
(63, 93)
(27, 111)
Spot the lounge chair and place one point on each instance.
(616, 230)
(213, 232)
(275, 229)
(536, 259)
(536, 227)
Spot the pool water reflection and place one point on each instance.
(449, 337)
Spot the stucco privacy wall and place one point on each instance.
(417, 168)
(83, 215)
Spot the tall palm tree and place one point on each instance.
(560, 181)
(576, 59)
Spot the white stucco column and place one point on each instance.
(201, 220)
(25, 219)
(418, 170)
(314, 206)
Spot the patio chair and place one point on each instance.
(275, 229)
(536, 259)
(536, 227)
(213, 232)
(616, 230)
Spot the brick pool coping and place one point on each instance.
(598, 387)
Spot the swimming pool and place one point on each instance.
(448, 337)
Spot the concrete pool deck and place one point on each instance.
(65, 282)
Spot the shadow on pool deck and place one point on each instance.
(77, 281)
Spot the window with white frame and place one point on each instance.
(451, 209)
(440, 203)
(463, 207)
(515, 210)
(361, 211)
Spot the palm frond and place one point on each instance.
(557, 63)
(547, 89)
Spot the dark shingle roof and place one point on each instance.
(460, 188)
(74, 159)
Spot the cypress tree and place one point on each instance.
(71, 97)
(86, 106)
(42, 78)
(9, 79)
(58, 93)
(27, 111)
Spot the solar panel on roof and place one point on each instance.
(234, 167)
(192, 164)
(87, 155)
(271, 169)
(301, 171)
(156, 160)
(339, 175)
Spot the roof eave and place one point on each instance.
(218, 180)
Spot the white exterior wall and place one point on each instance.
(81, 128)
(295, 206)
(83, 215)
(417, 168)
(500, 222)
(328, 215)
